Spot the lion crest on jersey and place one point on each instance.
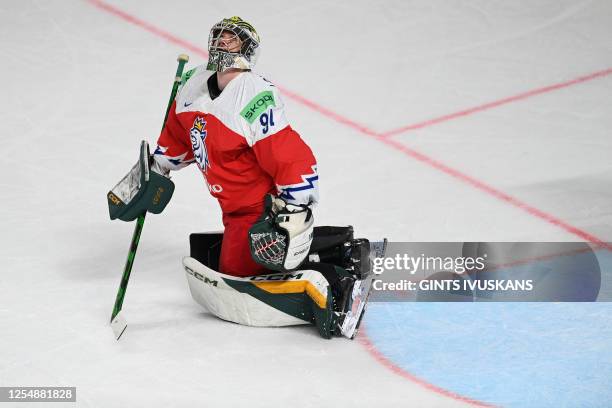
(198, 143)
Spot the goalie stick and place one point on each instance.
(117, 321)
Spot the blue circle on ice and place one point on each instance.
(506, 354)
(558, 271)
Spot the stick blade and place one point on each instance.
(118, 324)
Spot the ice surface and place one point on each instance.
(81, 87)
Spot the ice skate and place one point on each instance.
(359, 286)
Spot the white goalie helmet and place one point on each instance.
(232, 43)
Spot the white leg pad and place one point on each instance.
(209, 289)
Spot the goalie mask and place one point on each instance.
(280, 240)
(232, 43)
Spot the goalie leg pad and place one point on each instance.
(284, 299)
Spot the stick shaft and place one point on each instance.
(182, 60)
(128, 265)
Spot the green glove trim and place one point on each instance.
(141, 190)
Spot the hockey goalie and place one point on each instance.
(270, 266)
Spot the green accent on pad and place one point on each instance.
(294, 304)
(298, 305)
(257, 106)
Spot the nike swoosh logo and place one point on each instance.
(188, 104)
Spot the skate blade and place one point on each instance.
(378, 249)
(118, 324)
(352, 319)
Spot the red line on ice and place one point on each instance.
(330, 114)
(497, 103)
(380, 357)
(148, 27)
(515, 202)
(200, 51)
(385, 137)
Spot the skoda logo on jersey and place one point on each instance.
(198, 136)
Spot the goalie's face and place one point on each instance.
(232, 43)
(228, 41)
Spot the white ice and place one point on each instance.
(81, 87)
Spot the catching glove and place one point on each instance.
(281, 238)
